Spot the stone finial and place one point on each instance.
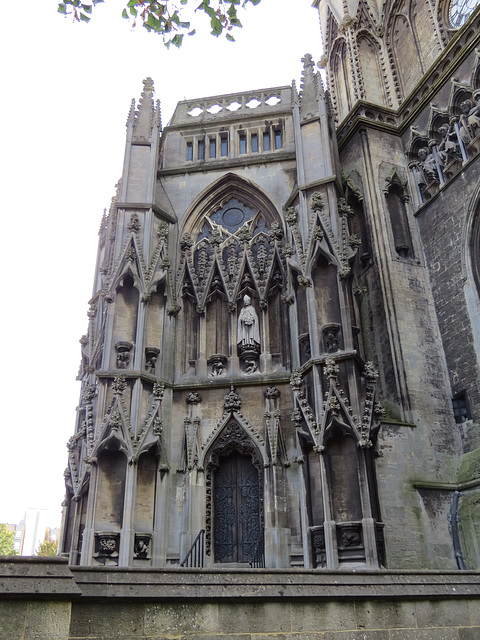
(370, 373)
(119, 385)
(311, 88)
(158, 390)
(145, 114)
(331, 369)
(233, 401)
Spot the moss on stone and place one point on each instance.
(469, 467)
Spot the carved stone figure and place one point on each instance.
(217, 368)
(123, 358)
(150, 364)
(448, 149)
(469, 120)
(141, 547)
(427, 167)
(330, 338)
(218, 363)
(474, 116)
(248, 331)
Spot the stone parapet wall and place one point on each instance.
(48, 600)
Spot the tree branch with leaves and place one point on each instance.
(166, 17)
(6, 541)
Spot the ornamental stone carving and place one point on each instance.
(151, 355)
(158, 390)
(193, 398)
(141, 548)
(317, 201)
(233, 401)
(123, 354)
(272, 393)
(119, 385)
(134, 224)
(217, 363)
(331, 337)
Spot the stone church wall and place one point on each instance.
(46, 600)
(444, 251)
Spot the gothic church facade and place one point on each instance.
(281, 367)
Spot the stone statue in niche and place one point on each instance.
(141, 547)
(150, 364)
(248, 331)
(217, 368)
(448, 149)
(469, 120)
(331, 338)
(123, 354)
(151, 355)
(250, 365)
(248, 337)
(474, 116)
(427, 166)
(123, 358)
(217, 362)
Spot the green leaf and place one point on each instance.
(154, 23)
(62, 9)
(177, 40)
(206, 8)
(230, 38)
(216, 25)
(125, 14)
(235, 22)
(87, 8)
(192, 33)
(84, 18)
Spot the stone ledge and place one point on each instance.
(224, 584)
(36, 578)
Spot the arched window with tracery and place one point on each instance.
(234, 274)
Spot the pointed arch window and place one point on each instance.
(234, 253)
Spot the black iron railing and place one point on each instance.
(196, 556)
(258, 560)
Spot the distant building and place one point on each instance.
(32, 531)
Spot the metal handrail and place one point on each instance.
(258, 561)
(196, 556)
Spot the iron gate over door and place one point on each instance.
(236, 502)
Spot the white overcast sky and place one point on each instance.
(66, 91)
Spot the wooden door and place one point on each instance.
(236, 502)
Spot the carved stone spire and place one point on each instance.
(144, 116)
(311, 88)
